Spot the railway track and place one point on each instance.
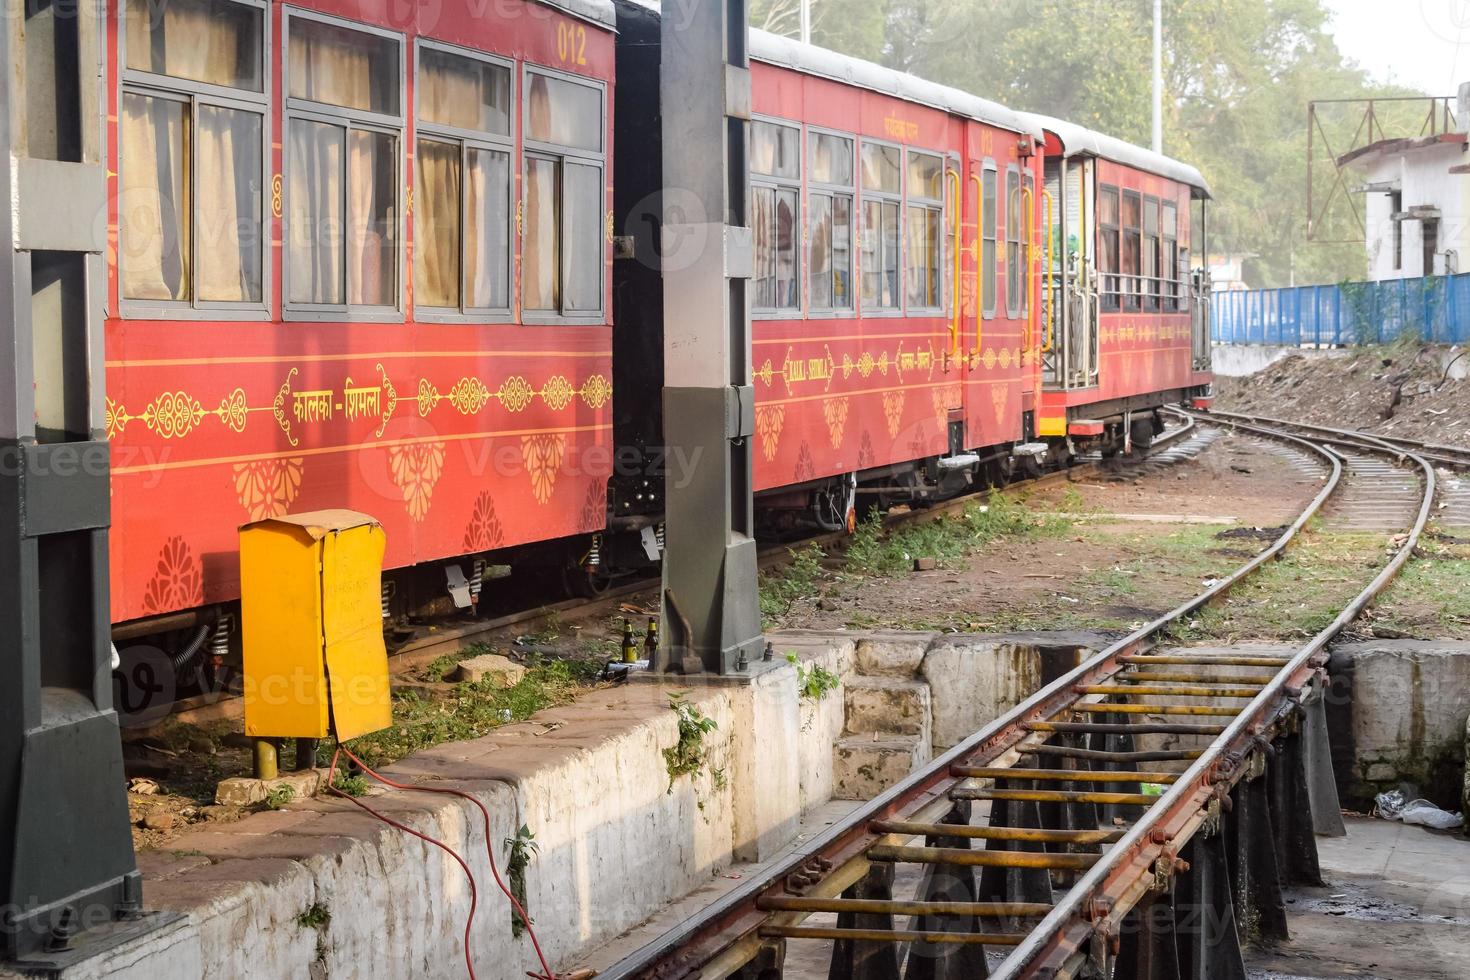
(1135, 818)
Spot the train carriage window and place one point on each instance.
(192, 158)
(882, 186)
(990, 205)
(1014, 264)
(925, 217)
(462, 185)
(830, 215)
(1029, 239)
(1149, 284)
(563, 248)
(1108, 258)
(1132, 249)
(343, 129)
(775, 167)
(1169, 253)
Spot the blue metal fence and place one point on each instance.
(1433, 308)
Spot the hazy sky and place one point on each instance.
(1423, 43)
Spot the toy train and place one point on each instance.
(412, 268)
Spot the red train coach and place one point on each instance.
(893, 332)
(359, 259)
(1125, 321)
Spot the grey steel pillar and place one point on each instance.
(711, 607)
(67, 870)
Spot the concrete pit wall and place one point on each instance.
(1397, 712)
(618, 841)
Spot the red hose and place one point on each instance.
(547, 973)
(474, 892)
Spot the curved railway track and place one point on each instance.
(1072, 835)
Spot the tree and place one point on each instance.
(1237, 78)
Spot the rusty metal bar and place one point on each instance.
(1206, 659)
(1142, 728)
(1184, 691)
(1195, 677)
(917, 829)
(1063, 775)
(1103, 755)
(1154, 709)
(1052, 796)
(891, 935)
(988, 910)
(899, 854)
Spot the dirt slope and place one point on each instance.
(1398, 390)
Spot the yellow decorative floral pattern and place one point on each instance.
(834, 410)
(557, 393)
(543, 456)
(769, 420)
(268, 487)
(416, 469)
(596, 391)
(893, 410)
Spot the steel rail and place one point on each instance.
(1111, 887)
(726, 934)
(1458, 456)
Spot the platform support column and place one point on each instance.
(710, 603)
(67, 870)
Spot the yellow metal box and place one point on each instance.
(311, 622)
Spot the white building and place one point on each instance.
(1417, 201)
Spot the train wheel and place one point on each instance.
(999, 472)
(835, 504)
(1142, 433)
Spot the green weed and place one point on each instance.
(813, 681)
(687, 756)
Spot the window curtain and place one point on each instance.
(436, 224)
(314, 218)
(370, 218)
(203, 40)
(450, 92)
(487, 231)
(332, 65)
(155, 188)
(540, 278)
(228, 243)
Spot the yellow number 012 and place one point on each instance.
(571, 43)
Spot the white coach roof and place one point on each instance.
(812, 60)
(600, 12)
(1079, 139)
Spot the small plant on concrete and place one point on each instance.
(315, 916)
(687, 756)
(813, 681)
(353, 785)
(278, 797)
(519, 850)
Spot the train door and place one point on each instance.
(1199, 289)
(1077, 271)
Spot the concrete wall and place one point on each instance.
(1240, 361)
(617, 840)
(1397, 711)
